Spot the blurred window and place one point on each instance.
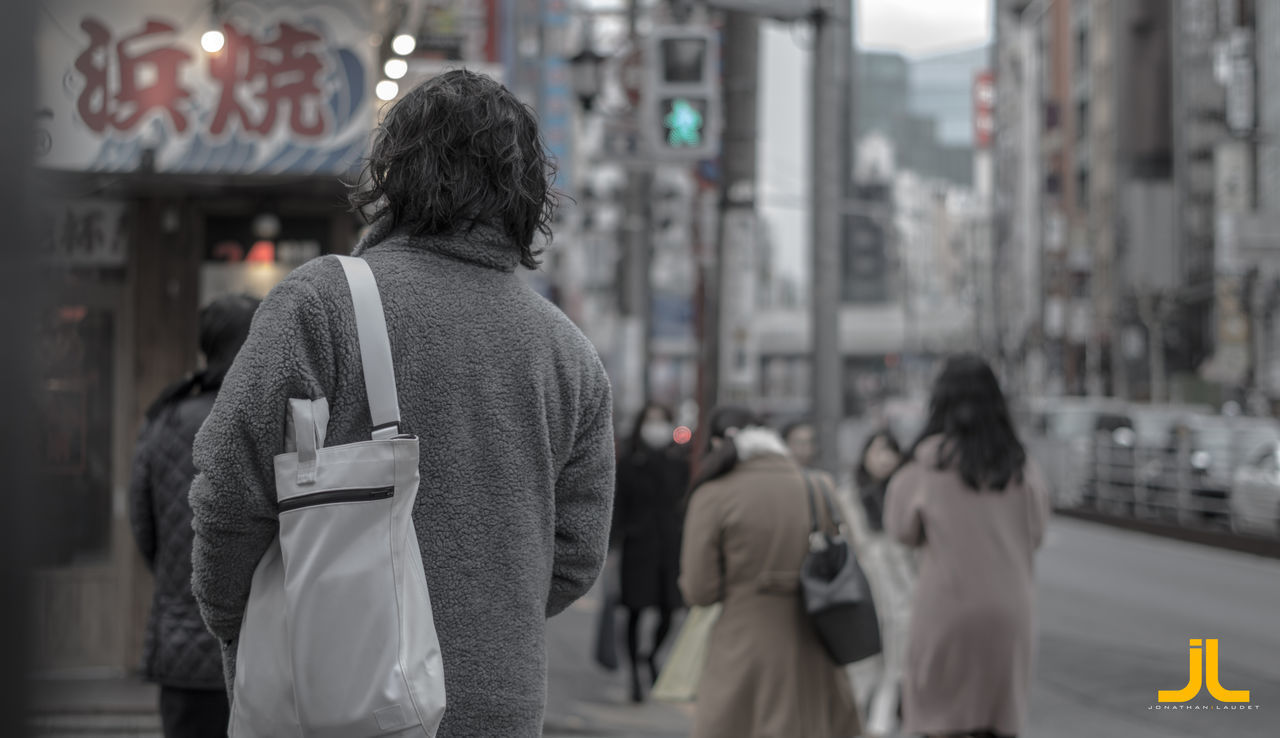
(1052, 115)
(76, 413)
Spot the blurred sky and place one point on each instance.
(917, 27)
(912, 27)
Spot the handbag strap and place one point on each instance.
(832, 511)
(375, 348)
(817, 541)
(813, 506)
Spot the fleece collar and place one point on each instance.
(754, 441)
(480, 244)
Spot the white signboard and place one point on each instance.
(127, 86)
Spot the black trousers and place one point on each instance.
(194, 713)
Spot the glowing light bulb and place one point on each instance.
(213, 41)
(396, 68)
(404, 44)
(387, 90)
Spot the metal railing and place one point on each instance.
(1150, 484)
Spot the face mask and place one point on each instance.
(656, 434)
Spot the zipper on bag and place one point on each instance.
(337, 495)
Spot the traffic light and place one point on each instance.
(681, 112)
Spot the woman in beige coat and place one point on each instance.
(976, 509)
(745, 538)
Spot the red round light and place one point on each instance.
(682, 435)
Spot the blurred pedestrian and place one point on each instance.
(977, 508)
(178, 653)
(508, 399)
(801, 443)
(879, 459)
(746, 536)
(891, 575)
(653, 477)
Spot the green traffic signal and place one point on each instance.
(684, 124)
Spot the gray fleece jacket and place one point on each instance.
(514, 414)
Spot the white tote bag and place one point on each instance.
(338, 639)
(680, 677)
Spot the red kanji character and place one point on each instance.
(283, 70)
(163, 94)
(133, 100)
(94, 104)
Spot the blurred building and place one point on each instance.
(914, 245)
(1065, 269)
(916, 104)
(941, 87)
(1016, 295)
(1153, 208)
(1085, 194)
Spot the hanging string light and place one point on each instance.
(404, 44)
(396, 68)
(214, 40)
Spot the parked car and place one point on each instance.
(1255, 493)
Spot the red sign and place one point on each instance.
(132, 99)
(984, 108)
(257, 75)
(270, 74)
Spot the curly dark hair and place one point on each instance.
(458, 150)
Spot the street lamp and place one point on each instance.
(587, 73)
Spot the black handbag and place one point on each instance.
(837, 596)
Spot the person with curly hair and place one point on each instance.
(509, 400)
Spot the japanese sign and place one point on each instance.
(85, 233)
(127, 86)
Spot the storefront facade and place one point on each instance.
(171, 175)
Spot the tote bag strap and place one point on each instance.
(375, 348)
(817, 541)
(814, 525)
(832, 509)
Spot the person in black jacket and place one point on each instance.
(179, 654)
(879, 459)
(652, 478)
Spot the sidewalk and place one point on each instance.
(586, 701)
(119, 707)
(125, 707)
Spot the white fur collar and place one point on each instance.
(755, 441)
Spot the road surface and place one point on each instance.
(1116, 611)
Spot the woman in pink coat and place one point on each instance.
(976, 509)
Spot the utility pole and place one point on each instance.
(738, 184)
(635, 281)
(832, 23)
